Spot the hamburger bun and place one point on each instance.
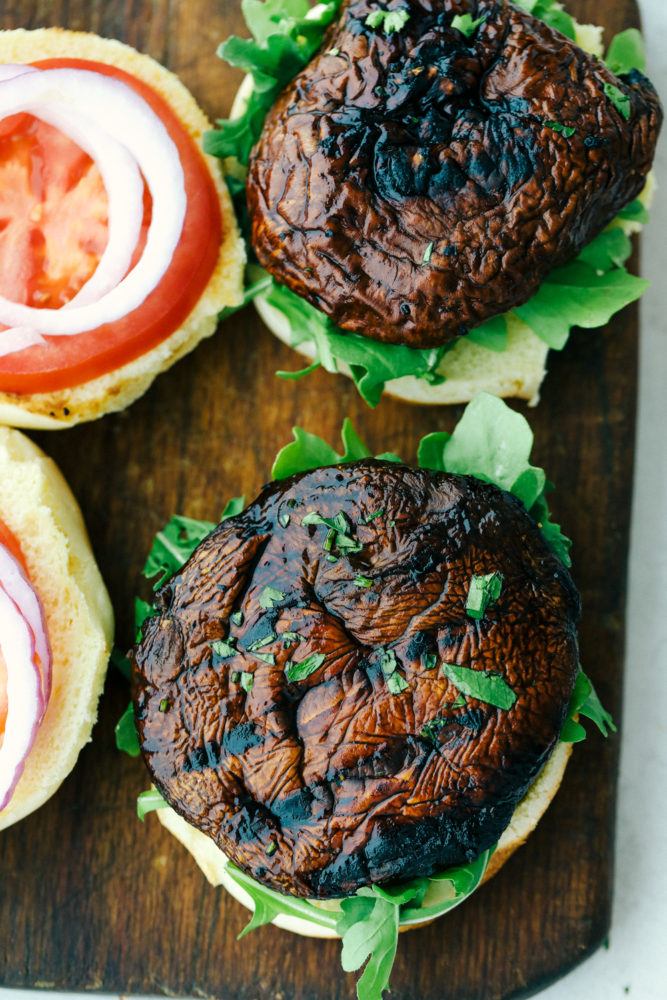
(117, 389)
(37, 506)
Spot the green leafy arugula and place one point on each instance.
(491, 441)
(585, 702)
(149, 801)
(466, 25)
(285, 35)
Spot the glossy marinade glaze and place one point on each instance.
(412, 185)
(292, 695)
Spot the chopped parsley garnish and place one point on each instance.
(246, 681)
(395, 681)
(340, 532)
(237, 618)
(264, 657)
(283, 520)
(465, 24)
(333, 52)
(269, 597)
(371, 517)
(164, 705)
(363, 581)
(389, 21)
(620, 100)
(431, 729)
(289, 637)
(235, 676)
(460, 701)
(271, 849)
(224, 648)
(300, 671)
(428, 253)
(565, 130)
(264, 641)
(429, 661)
(482, 591)
(481, 684)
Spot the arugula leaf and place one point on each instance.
(465, 24)
(620, 100)
(550, 11)
(483, 685)
(608, 250)
(269, 904)
(626, 52)
(576, 295)
(233, 507)
(372, 938)
(566, 130)
(492, 334)
(284, 40)
(585, 702)
(636, 211)
(308, 451)
(173, 546)
(120, 662)
(149, 801)
(372, 363)
(126, 733)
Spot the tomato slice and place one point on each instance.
(69, 181)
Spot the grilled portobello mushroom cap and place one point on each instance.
(293, 693)
(412, 185)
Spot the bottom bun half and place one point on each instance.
(213, 862)
(38, 507)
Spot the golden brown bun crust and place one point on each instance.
(38, 507)
(119, 388)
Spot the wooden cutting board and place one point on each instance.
(90, 898)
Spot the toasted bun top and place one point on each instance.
(117, 389)
(37, 505)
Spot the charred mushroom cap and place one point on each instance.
(293, 697)
(412, 185)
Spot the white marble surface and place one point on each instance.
(635, 964)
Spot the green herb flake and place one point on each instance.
(164, 705)
(271, 849)
(482, 591)
(483, 685)
(333, 52)
(259, 643)
(465, 24)
(566, 130)
(429, 661)
(149, 801)
(265, 658)
(620, 100)
(126, 733)
(247, 681)
(460, 701)
(371, 517)
(289, 637)
(300, 671)
(388, 662)
(431, 729)
(235, 676)
(237, 618)
(224, 649)
(428, 253)
(363, 581)
(270, 597)
(397, 683)
(340, 532)
(284, 520)
(389, 21)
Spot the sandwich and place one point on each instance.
(55, 633)
(120, 246)
(356, 696)
(437, 193)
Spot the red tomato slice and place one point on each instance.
(69, 184)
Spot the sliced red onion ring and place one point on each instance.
(131, 122)
(17, 586)
(25, 709)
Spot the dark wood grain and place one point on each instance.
(91, 899)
